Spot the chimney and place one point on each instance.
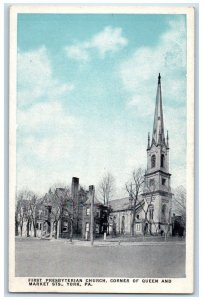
(74, 187)
(91, 189)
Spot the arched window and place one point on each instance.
(163, 213)
(153, 161)
(162, 160)
(151, 211)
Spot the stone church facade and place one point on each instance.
(153, 211)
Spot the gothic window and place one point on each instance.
(163, 181)
(138, 217)
(151, 182)
(138, 227)
(153, 161)
(151, 211)
(162, 160)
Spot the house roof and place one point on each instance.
(96, 201)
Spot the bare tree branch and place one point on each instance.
(106, 188)
(134, 188)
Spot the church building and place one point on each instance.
(153, 211)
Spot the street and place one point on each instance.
(47, 258)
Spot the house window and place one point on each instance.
(163, 181)
(88, 211)
(153, 161)
(87, 227)
(137, 227)
(97, 228)
(162, 160)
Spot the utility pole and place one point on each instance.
(91, 189)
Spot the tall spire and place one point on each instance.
(167, 140)
(158, 128)
(148, 144)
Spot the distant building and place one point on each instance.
(178, 225)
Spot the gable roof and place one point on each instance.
(123, 204)
(120, 204)
(96, 201)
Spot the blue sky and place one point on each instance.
(86, 87)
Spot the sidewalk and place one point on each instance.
(115, 242)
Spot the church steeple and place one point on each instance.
(158, 127)
(157, 182)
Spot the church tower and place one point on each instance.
(157, 187)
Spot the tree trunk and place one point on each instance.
(28, 229)
(133, 219)
(133, 224)
(56, 230)
(16, 228)
(21, 229)
(35, 230)
(71, 230)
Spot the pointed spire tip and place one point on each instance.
(159, 78)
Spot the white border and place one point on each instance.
(180, 285)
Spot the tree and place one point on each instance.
(106, 188)
(31, 202)
(179, 202)
(20, 210)
(134, 189)
(55, 202)
(26, 210)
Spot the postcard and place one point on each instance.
(101, 149)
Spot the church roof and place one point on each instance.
(120, 204)
(124, 204)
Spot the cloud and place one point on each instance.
(44, 123)
(139, 72)
(77, 52)
(35, 78)
(45, 133)
(109, 40)
(44, 117)
(45, 143)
